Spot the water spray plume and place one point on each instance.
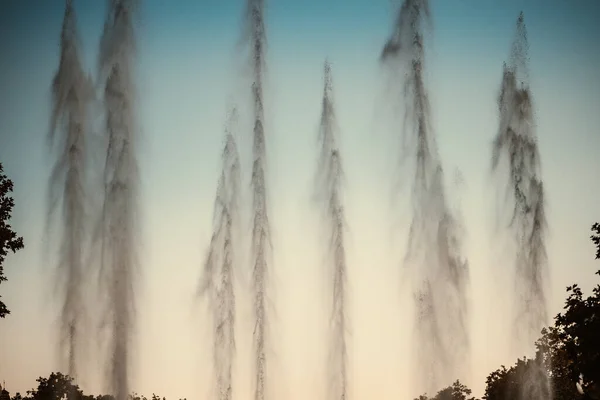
(119, 222)
(440, 273)
(217, 280)
(516, 161)
(72, 91)
(329, 179)
(516, 144)
(255, 37)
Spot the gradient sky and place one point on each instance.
(189, 70)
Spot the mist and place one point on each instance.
(187, 65)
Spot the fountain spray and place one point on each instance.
(218, 276)
(72, 91)
(440, 273)
(255, 35)
(119, 259)
(516, 160)
(329, 180)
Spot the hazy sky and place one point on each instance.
(190, 68)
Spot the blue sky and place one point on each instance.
(190, 68)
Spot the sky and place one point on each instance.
(190, 68)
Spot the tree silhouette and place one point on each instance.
(61, 387)
(526, 379)
(565, 350)
(457, 391)
(553, 351)
(578, 329)
(57, 387)
(4, 394)
(596, 238)
(8, 238)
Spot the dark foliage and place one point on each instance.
(596, 238)
(61, 387)
(8, 237)
(566, 350)
(57, 386)
(457, 391)
(578, 328)
(519, 381)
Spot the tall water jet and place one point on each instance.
(440, 273)
(119, 260)
(516, 162)
(255, 35)
(329, 181)
(218, 275)
(71, 92)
